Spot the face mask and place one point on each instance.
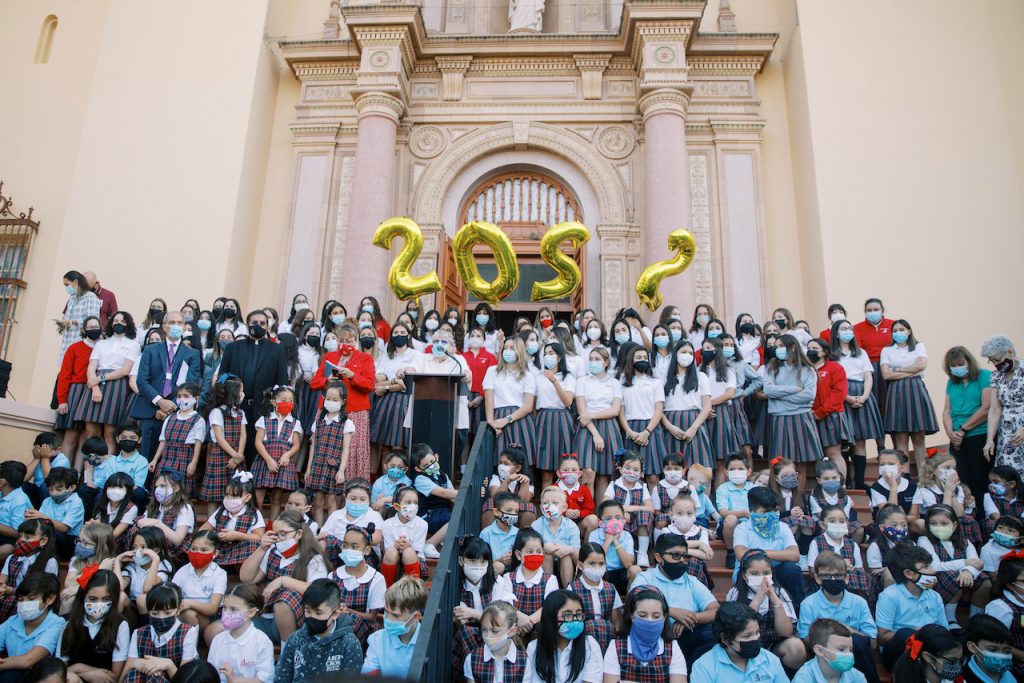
(318, 626)
(223, 344)
(162, 624)
(900, 337)
(703, 320)
(60, 498)
(203, 325)
(199, 560)
(841, 661)
(673, 570)
(895, 534)
(738, 477)
(846, 336)
(233, 505)
(174, 332)
(781, 322)
(356, 509)
(474, 572)
(532, 348)
(831, 486)
(337, 319)
(1005, 540)
(140, 559)
(676, 334)
(630, 476)
(332, 406)
(510, 520)
(728, 351)
(813, 355)
(958, 371)
(661, 341)
(943, 475)
(943, 533)
(765, 524)
(685, 360)
(642, 366)
(409, 511)
(97, 610)
(116, 494)
(673, 476)
(551, 511)
(836, 529)
(257, 331)
(789, 480)
(440, 350)
(595, 367)
(365, 324)
(185, 403)
(593, 333)
(352, 557)
(533, 562)
(282, 547)
(997, 489)
(285, 408)
(613, 527)
(433, 469)
(926, 581)
(509, 356)
(593, 574)
(837, 316)
(833, 586)
(571, 629)
(621, 338)
(71, 290)
(873, 317)
(748, 649)
(413, 313)
(747, 329)
(400, 340)
(683, 522)
(396, 472)
(503, 471)
(550, 362)
(366, 343)
(92, 335)
(475, 342)
(883, 470)
(156, 314)
(30, 610)
(162, 494)
(754, 582)
(781, 353)
(646, 632)
(570, 478)
(331, 345)
(482, 319)
(996, 662)
(1004, 365)
(708, 356)
(949, 671)
(232, 620)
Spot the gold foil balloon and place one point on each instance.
(647, 286)
(568, 275)
(480, 232)
(404, 284)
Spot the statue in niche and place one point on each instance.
(525, 16)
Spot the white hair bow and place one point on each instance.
(244, 477)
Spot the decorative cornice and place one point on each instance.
(453, 69)
(326, 71)
(591, 68)
(387, 36)
(376, 103)
(663, 101)
(725, 65)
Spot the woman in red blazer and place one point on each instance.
(829, 406)
(356, 370)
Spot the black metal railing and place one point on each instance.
(432, 657)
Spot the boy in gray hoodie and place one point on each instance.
(325, 643)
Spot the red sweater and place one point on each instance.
(832, 390)
(73, 369)
(383, 329)
(873, 339)
(359, 386)
(580, 499)
(478, 363)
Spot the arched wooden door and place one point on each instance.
(524, 204)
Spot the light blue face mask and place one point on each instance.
(621, 338)
(175, 332)
(900, 337)
(368, 308)
(728, 351)
(363, 324)
(676, 334)
(356, 509)
(482, 319)
(532, 348)
(846, 336)
(958, 370)
(71, 290)
(396, 628)
(596, 367)
(571, 629)
(352, 557)
(874, 317)
(509, 356)
(551, 362)
(841, 661)
(439, 349)
(713, 334)
(203, 325)
(781, 353)
(661, 341)
(337, 319)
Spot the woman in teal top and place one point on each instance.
(965, 417)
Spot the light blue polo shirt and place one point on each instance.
(612, 561)
(500, 541)
(388, 654)
(70, 512)
(567, 532)
(716, 666)
(852, 610)
(686, 592)
(134, 465)
(13, 507)
(811, 673)
(58, 460)
(745, 536)
(386, 486)
(728, 497)
(897, 609)
(47, 635)
(706, 509)
(1007, 677)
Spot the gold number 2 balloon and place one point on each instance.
(403, 283)
(480, 232)
(568, 275)
(647, 286)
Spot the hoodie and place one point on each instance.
(306, 656)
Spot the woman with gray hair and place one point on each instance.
(1006, 412)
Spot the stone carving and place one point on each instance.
(427, 142)
(664, 55)
(615, 142)
(721, 89)
(424, 91)
(700, 213)
(525, 15)
(348, 166)
(326, 92)
(380, 59)
(621, 88)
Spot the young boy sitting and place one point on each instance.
(764, 532)
(909, 603)
(13, 504)
(501, 534)
(326, 641)
(990, 645)
(63, 508)
(731, 498)
(833, 655)
(34, 632)
(129, 460)
(437, 495)
(389, 651)
(45, 456)
(833, 600)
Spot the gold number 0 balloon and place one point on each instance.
(479, 232)
(647, 286)
(568, 275)
(405, 285)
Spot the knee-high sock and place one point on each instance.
(390, 573)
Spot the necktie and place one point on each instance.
(168, 385)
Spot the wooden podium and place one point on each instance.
(435, 415)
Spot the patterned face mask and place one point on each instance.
(765, 524)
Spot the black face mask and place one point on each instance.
(673, 570)
(400, 340)
(366, 342)
(813, 355)
(217, 310)
(157, 315)
(781, 322)
(748, 649)
(257, 332)
(316, 626)
(747, 328)
(128, 445)
(642, 366)
(708, 356)
(229, 313)
(313, 341)
(118, 328)
(162, 624)
(93, 334)
(769, 353)
(833, 586)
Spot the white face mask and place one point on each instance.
(409, 511)
(943, 475)
(284, 546)
(883, 470)
(475, 342)
(503, 471)
(97, 610)
(593, 574)
(673, 476)
(431, 324)
(332, 406)
(685, 360)
(738, 477)
(593, 333)
(754, 582)
(837, 316)
(474, 572)
(116, 494)
(683, 522)
(30, 610)
(836, 529)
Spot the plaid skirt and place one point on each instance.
(654, 452)
(555, 429)
(176, 458)
(108, 411)
(359, 447)
(476, 415)
(947, 584)
(698, 569)
(724, 437)
(760, 423)
(696, 451)
(583, 446)
(795, 437)
(742, 424)
(601, 630)
(286, 478)
(834, 430)
(294, 601)
(971, 529)
(467, 639)
(386, 418)
(521, 433)
(235, 553)
(909, 407)
(323, 471)
(859, 582)
(866, 421)
(306, 401)
(75, 394)
(878, 387)
(215, 474)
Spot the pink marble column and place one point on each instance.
(372, 199)
(666, 187)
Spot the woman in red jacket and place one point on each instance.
(829, 403)
(72, 385)
(356, 370)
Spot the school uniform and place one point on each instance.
(757, 414)
(872, 339)
(38, 478)
(274, 565)
(513, 488)
(949, 561)
(333, 530)
(598, 395)
(592, 671)
(307, 399)
(16, 569)
(819, 499)
(565, 534)
(136, 576)
(196, 586)
(695, 566)
(530, 591)
(499, 541)
(899, 611)
(1001, 507)
(247, 521)
(555, 423)
(794, 434)
(232, 422)
(178, 644)
(852, 610)
(185, 517)
(724, 437)
(434, 509)
(865, 421)
(473, 596)
(789, 499)
(179, 434)
(766, 613)
(829, 406)
(47, 635)
(927, 496)
(89, 652)
(875, 557)
(329, 434)
(857, 580)
(72, 383)
(70, 512)
(361, 594)
(637, 494)
(660, 364)
(1009, 610)
(109, 354)
(728, 497)
(717, 666)
(385, 487)
(478, 361)
(908, 406)
(598, 602)
(681, 409)
(387, 412)
(250, 655)
(12, 511)
(748, 381)
(415, 530)
(990, 554)
(972, 673)
(811, 673)
(133, 464)
(115, 516)
(639, 403)
(482, 666)
(619, 660)
(278, 438)
(509, 394)
(388, 655)
(578, 498)
(663, 495)
(616, 571)
(686, 592)
(905, 493)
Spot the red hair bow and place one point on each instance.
(570, 455)
(914, 647)
(1013, 555)
(929, 452)
(87, 572)
(775, 461)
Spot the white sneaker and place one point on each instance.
(642, 560)
(430, 552)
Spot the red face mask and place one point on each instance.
(533, 562)
(199, 560)
(547, 323)
(347, 349)
(285, 408)
(23, 547)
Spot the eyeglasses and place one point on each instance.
(673, 556)
(832, 577)
(567, 617)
